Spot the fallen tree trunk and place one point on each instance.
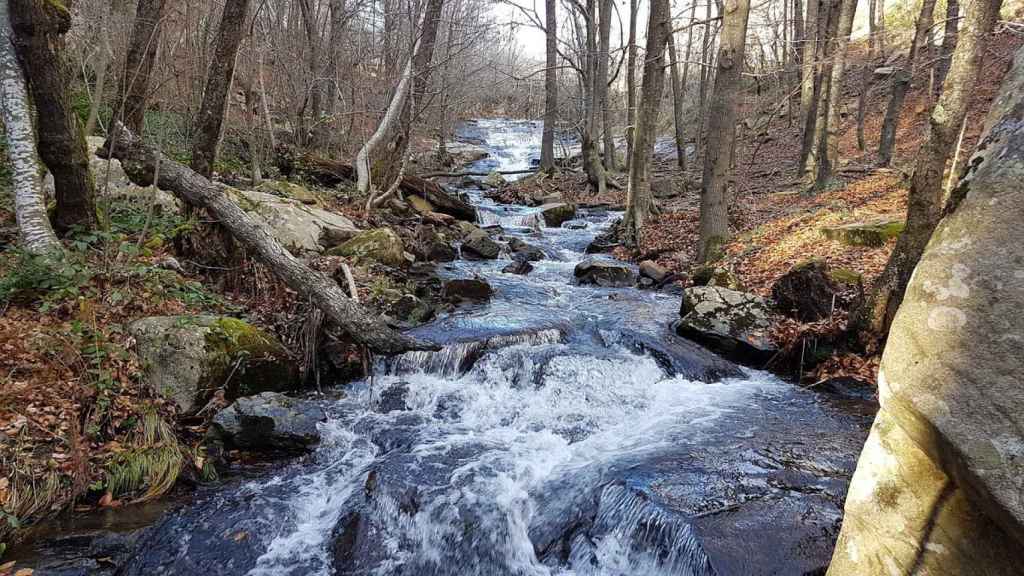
(329, 172)
(140, 161)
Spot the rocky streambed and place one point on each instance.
(564, 429)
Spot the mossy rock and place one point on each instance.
(378, 245)
(187, 358)
(710, 275)
(873, 234)
(846, 276)
(287, 189)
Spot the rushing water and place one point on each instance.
(562, 430)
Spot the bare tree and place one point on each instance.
(678, 93)
(638, 193)
(218, 84)
(547, 147)
(138, 65)
(949, 40)
(601, 84)
(39, 28)
(721, 138)
(830, 116)
(925, 200)
(34, 229)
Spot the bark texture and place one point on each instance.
(925, 200)
(140, 162)
(678, 93)
(35, 234)
(937, 488)
(39, 28)
(721, 139)
(138, 65)
(218, 85)
(638, 192)
(547, 144)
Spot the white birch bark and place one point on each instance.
(37, 235)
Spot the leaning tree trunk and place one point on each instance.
(937, 487)
(604, 53)
(140, 162)
(678, 93)
(39, 28)
(36, 235)
(924, 202)
(218, 85)
(547, 144)
(138, 64)
(638, 192)
(721, 138)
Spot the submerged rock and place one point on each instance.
(478, 246)
(269, 422)
(806, 292)
(378, 245)
(604, 274)
(731, 323)
(187, 358)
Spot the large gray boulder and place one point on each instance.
(939, 488)
(303, 230)
(604, 274)
(734, 324)
(269, 422)
(188, 358)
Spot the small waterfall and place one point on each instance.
(458, 358)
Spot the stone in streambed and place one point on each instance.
(269, 422)
(525, 251)
(468, 289)
(521, 267)
(734, 324)
(604, 274)
(431, 246)
(555, 214)
(653, 270)
(478, 245)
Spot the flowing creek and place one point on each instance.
(562, 430)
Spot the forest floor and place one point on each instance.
(72, 391)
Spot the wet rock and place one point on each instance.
(286, 189)
(520, 266)
(555, 214)
(645, 282)
(468, 289)
(604, 274)
(477, 245)
(411, 310)
(82, 554)
(872, 233)
(607, 241)
(710, 275)
(392, 398)
(269, 422)
(431, 246)
(654, 271)
(576, 225)
(302, 229)
(734, 324)
(677, 356)
(806, 292)
(525, 251)
(380, 245)
(187, 358)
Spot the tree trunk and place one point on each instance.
(338, 22)
(139, 162)
(714, 213)
(591, 159)
(798, 36)
(949, 39)
(39, 28)
(638, 193)
(100, 67)
(218, 87)
(631, 79)
(547, 145)
(809, 75)
(309, 24)
(604, 53)
(36, 235)
(872, 30)
(829, 153)
(678, 93)
(705, 77)
(924, 202)
(138, 64)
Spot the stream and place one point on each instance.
(562, 430)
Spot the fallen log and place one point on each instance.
(329, 172)
(140, 163)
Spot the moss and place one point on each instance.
(871, 234)
(246, 359)
(378, 245)
(846, 276)
(285, 189)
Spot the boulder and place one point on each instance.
(654, 271)
(604, 274)
(268, 422)
(431, 246)
(468, 289)
(378, 245)
(938, 487)
(806, 292)
(525, 251)
(410, 310)
(421, 205)
(521, 267)
(734, 324)
(303, 230)
(286, 189)
(187, 358)
(555, 214)
(872, 233)
(478, 245)
(662, 188)
(709, 275)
